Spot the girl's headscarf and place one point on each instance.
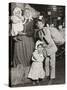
(38, 43)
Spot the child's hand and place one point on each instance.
(44, 53)
(15, 39)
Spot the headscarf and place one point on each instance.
(38, 43)
(17, 9)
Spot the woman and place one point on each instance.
(24, 46)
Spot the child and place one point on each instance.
(45, 36)
(37, 72)
(18, 22)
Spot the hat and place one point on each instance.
(38, 43)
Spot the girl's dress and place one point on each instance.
(37, 71)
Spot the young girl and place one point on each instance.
(18, 22)
(37, 72)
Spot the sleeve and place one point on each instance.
(35, 56)
(22, 18)
(47, 35)
(12, 18)
(13, 33)
(40, 35)
(25, 21)
(52, 48)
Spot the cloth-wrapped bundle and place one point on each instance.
(57, 36)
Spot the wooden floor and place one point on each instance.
(60, 75)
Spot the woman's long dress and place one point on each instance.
(23, 48)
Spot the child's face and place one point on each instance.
(18, 13)
(40, 25)
(40, 49)
(60, 27)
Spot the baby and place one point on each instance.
(36, 71)
(18, 22)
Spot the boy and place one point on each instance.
(44, 35)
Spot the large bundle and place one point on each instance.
(57, 36)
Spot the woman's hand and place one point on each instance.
(15, 39)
